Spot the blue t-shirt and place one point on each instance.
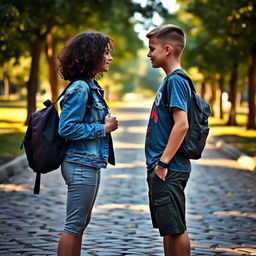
(161, 123)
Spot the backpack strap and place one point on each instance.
(71, 82)
(37, 183)
(165, 87)
(184, 75)
(89, 103)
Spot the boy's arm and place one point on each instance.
(176, 137)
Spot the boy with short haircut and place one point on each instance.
(168, 170)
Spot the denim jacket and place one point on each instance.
(83, 125)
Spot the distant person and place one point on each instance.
(86, 123)
(168, 170)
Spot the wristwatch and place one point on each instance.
(162, 164)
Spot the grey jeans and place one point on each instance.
(83, 184)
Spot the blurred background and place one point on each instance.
(220, 57)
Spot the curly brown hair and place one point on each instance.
(82, 55)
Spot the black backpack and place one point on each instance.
(198, 114)
(44, 147)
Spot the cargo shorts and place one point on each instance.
(167, 201)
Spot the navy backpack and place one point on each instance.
(198, 114)
(44, 147)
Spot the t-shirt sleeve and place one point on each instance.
(179, 93)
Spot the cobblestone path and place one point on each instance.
(221, 204)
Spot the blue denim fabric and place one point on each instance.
(83, 128)
(83, 184)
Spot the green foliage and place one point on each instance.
(231, 22)
(217, 35)
(23, 21)
(10, 33)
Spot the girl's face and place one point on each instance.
(107, 58)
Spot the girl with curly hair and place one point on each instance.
(86, 124)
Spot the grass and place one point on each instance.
(243, 139)
(12, 129)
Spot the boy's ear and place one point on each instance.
(168, 49)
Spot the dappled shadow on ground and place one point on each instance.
(245, 143)
(224, 125)
(10, 121)
(219, 162)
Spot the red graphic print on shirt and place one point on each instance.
(153, 118)
(154, 114)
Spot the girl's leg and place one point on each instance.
(78, 245)
(98, 177)
(69, 244)
(82, 184)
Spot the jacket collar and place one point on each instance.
(95, 86)
(92, 84)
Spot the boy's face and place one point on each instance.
(157, 53)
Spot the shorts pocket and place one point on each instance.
(158, 178)
(164, 213)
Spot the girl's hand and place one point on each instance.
(111, 123)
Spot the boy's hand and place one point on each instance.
(111, 123)
(161, 172)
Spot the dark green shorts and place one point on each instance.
(167, 202)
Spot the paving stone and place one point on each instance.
(5, 253)
(221, 206)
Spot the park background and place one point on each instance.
(220, 57)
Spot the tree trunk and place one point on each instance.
(203, 90)
(251, 124)
(7, 87)
(32, 84)
(51, 58)
(221, 84)
(213, 97)
(232, 95)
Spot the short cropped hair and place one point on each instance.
(170, 34)
(82, 55)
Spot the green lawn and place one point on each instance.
(243, 139)
(12, 129)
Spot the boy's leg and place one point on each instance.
(177, 245)
(167, 203)
(168, 246)
(181, 244)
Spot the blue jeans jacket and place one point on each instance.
(83, 125)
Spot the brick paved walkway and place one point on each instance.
(221, 205)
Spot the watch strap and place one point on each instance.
(162, 164)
